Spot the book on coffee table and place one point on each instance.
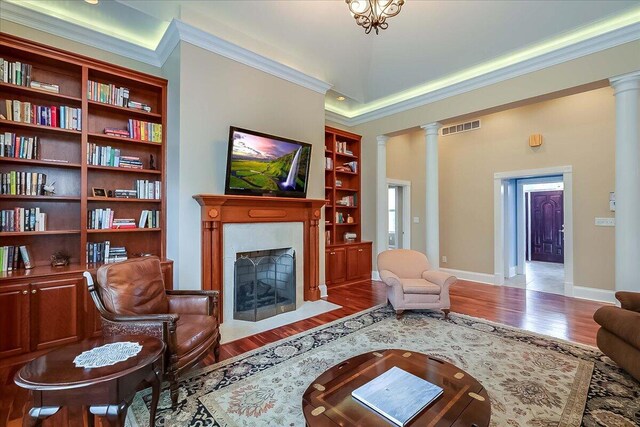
(397, 395)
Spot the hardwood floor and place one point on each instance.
(549, 314)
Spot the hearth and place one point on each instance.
(264, 284)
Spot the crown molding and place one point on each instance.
(77, 33)
(596, 44)
(337, 118)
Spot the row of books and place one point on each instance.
(17, 73)
(146, 189)
(104, 252)
(145, 131)
(348, 201)
(19, 147)
(103, 219)
(328, 163)
(14, 257)
(341, 218)
(110, 156)
(342, 147)
(108, 93)
(22, 219)
(55, 116)
(23, 183)
(348, 167)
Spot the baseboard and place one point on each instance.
(471, 276)
(375, 275)
(323, 291)
(594, 294)
(512, 271)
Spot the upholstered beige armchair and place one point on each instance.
(412, 283)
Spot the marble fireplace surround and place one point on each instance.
(257, 217)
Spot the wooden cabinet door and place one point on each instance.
(364, 262)
(56, 312)
(14, 320)
(336, 265)
(353, 257)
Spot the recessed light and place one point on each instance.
(341, 98)
(92, 1)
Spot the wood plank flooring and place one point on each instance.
(549, 314)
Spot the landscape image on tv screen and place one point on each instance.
(267, 164)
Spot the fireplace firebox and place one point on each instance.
(264, 284)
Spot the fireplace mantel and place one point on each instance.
(217, 210)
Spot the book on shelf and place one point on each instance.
(146, 189)
(98, 252)
(110, 156)
(47, 87)
(108, 93)
(343, 148)
(397, 395)
(348, 167)
(138, 106)
(348, 201)
(99, 219)
(19, 147)
(125, 194)
(62, 116)
(23, 219)
(149, 219)
(17, 73)
(328, 163)
(122, 133)
(18, 183)
(145, 131)
(15, 257)
(123, 223)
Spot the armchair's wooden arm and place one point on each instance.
(169, 318)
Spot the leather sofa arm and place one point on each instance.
(629, 300)
(193, 302)
(389, 278)
(620, 322)
(440, 278)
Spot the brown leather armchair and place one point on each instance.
(619, 336)
(132, 299)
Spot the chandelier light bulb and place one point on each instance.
(373, 14)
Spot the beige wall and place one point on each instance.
(215, 93)
(578, 130)
(406, 157)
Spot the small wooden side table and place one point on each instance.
(55, 381)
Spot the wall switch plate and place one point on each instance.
(416, 220)
(606, 222)
(444, 259)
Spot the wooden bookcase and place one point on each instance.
(63, 158)
(346, 261)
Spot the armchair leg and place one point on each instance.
(173, 389)
(216, 350)
(446, 312)
(399, 314)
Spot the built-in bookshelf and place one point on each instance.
(78, 138)
(342, 186)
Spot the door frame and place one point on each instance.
(500, 180)
(406, 210)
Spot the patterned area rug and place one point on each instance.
(532, 380)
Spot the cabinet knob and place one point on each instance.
(332, 253)
(25, 292)
(34, 291)
(359, 250)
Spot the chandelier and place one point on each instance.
(373, 14)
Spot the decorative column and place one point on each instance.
(627, 232)
(382, 204)
(432, 222)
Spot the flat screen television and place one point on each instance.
(265, 165)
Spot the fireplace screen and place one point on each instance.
(265, 284)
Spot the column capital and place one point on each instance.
(382, 139)
(625, 82)
(432, 128)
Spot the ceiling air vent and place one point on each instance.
(460, 127)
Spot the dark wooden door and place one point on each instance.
(547, 226)
(14, 320)
(56, 312)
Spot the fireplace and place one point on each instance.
(264, 284)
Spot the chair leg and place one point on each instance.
(399, 314)
(173, 389)
(216, 350)
(446, 312)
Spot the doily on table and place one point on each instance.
(107, 355)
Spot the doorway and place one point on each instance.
(534, 230)
(399, 213)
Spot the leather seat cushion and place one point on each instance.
(419, 286)
(193, 330)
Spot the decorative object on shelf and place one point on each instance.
(99, 192)
(60, 259)
(373, 14)
(350, 237)
(109, 193)
(152, 162)
(349, 219)
(107, 355)
(49, 189)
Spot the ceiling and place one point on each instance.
(427, 42)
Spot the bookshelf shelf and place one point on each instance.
(126, 170)
(347, 172)
(37, 233)
(119, 139)
(121, 200)
(347, 223)
(124, 110)
(44, 198)
(123, 230)
(40, 163)
(31, 126)
(37, 93)
(350, 156)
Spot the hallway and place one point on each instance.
(540, 276)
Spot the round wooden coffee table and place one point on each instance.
(328, 401)
(55, 381)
